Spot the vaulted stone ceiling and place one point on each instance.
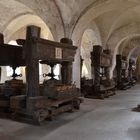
(71, 18)
(112, 21)
(130, 47)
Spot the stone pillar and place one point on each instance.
(32, 64)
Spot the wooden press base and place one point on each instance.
(102, 94)
(39, 116)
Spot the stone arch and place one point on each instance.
(49, 13)
(17, 29)
(118, 37)
(94, 10)
(18, 25)
(89, 39)
(130, 16)
(134, 53)
(122, 33)
(116, 51)
(9, 10)
(133, 48)
(129, 46)
(77, 38)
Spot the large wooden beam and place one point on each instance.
(1, 38)
(11, 55)
(32, 64)
(66, 69)
(66, 72)
(96, 61)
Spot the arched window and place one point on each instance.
(89, 39)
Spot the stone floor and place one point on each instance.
(109, 119)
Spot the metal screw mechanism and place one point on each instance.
(14, 75)
(51, 74)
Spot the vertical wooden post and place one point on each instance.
(130, 70)
(92, 67)
(81, 66)
(1, 42)
(69, 73)
(95, 58)
(32, 64)
(66, 72)
(119, 69)
(107, 69)
(66, 69)
(1, 38)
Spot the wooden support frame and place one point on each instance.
(35, 104)
(96, 87)
(36, 49)
(121, 68)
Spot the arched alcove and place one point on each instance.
(89, 39)
(118, 49)
(17, 29)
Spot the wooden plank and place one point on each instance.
(42, 102)
(46, 50)
(11, 55)
(4, 103)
